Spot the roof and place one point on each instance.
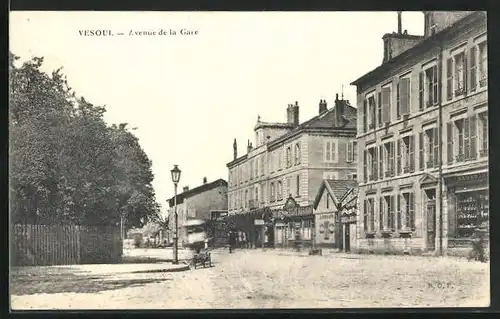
(198, 190)
(325, 120)
(418, 48)
(336, 188)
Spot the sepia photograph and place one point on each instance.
(248, 160)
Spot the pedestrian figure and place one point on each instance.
(477, 251)
(230, 241)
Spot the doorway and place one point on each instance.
(430, 207)
(347, 238)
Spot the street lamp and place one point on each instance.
(176, 176)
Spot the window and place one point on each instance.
(388, 153)
(386, 106)
(429, 87)
(257, 160)
(351, 151)
(246, 198)
(369, 215)
(483, 134)
(354, 176)
(403, 97)
(280, 191)
(327, 202)
(459, 74)
(262, 165)
(251, 169)
(466, 148)
(406, 209)
(273, 192)
(406, 155)
(288, 187)
(297, 154)
(279, 154)
(431, 146)
(288, 156)
(297, 185)
(330, 151)
(372, 164)
(256, 196)
(389, 212)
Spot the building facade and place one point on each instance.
(197, 203)
(290, 160)
(423, 138)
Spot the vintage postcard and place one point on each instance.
(248, 160)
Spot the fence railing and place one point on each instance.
(43, 245)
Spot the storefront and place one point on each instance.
(468, 208)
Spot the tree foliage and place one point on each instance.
(67, 165)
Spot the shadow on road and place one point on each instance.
(68, 283)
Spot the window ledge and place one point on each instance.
(387, 233)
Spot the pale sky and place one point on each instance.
(190, 96)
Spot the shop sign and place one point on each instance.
(258, 222)
(468, 178)
(279, 224)
(348, 219)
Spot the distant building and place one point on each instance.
(423, 138)
(290, 160)
(197, 203)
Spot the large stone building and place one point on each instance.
(289, 161)
(197, 203)
(423, 138)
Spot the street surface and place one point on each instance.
(265, 279)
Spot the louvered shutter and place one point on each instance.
(365, 170)
(398, 101)
(392, 158)
(421, 151)
(381, 213)
(473, 68)
(379, 116)
(398, 164)
(473, 137)
(404, 97)
(386, 96)
(449, 133)
(374, 172)
(411, 153)
(435, 147)
(466, 139)
(398, 210)
(411, 213)
(365, 216)
(365, 114)
(381, 161)
(449, 79)
(349, 151)
(435, 91)
(421, 98)
(465, 73)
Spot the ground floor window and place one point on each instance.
(306, 229)
(472, 212)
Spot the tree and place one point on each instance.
(67, 165)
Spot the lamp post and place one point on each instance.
(176, 176)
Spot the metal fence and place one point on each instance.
(43, 245)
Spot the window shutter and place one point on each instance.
(398, 164)
(435, 91)
(449, 79)
(399, 215)
(365, 215)
(411, 153)
(436, 147)
(449, 133)
(473, 68)
(349, 151)
(398, 101)
(375, 163)
(465, 72)
(365, 114)
(421, 101)
(386, 96)
(354, 151)
(381, 213)
(421, 150)
(379, 116)
(466, 138)
(393, 212)
(473, 137)
(327, 151)
(391, 157)
(411, 213)
(381, 161)
(405, 98)
(365, 171)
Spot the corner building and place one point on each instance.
(287, 165)
(423, 139)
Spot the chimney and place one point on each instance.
(249, 147)
(204, 180)
(400, 24)
(296, 113)
(185, 189)
(339, 111)
(235, 150)
(289, 114)
(322, 106)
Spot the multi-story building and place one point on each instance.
(290, 160)
(196, 203)
(423, 138)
